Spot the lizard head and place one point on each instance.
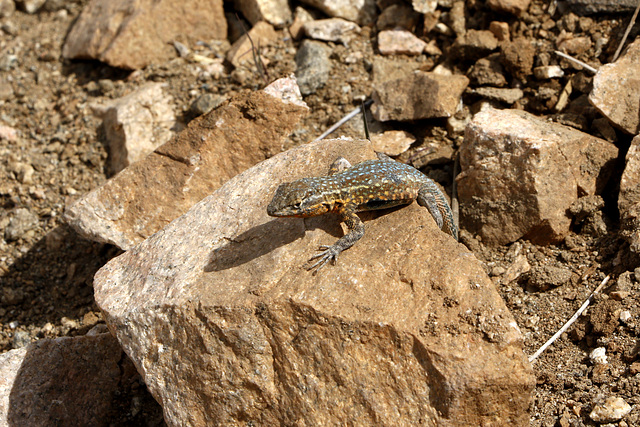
(300, 198)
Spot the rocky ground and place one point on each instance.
(53, 150)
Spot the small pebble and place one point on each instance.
(598, 356)
(20, 339)
(611, 410)
(625, 316)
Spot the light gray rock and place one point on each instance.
(362, 12)
(64, 381)
(22, 220)
(424, 6)
(206, 102)
(616, 90)
(135, 33)
(611, 410)
(332, 30)
(275, 12)
(313, 66)
(31, 6)
(226, 327)
(399, 42)
(419, 95)
(520, 174)
(137, 124)
(547, 72)
(147, 195)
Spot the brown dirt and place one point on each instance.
(46, 273)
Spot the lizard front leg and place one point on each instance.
(355, 233)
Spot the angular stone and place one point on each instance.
(500, 30)
(64, 381)
(611, 410)
(517, 57)
(241, 52)
(488, 71)
(629, 196)
(515, 7)
(300, 17)
(313, 66)
(149, 194)
(331, 30)
(424, 6)
(362, 12)
(275, 12)
(137, 124)
(398, 15)
(419, 95)
(616, 90)
(520, 174)
(135, 33)
(399, 42)
(474, 44)
(546, 72)
(505, 94)
(226, 326)
(392, 142)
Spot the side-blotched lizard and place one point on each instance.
(370, 185)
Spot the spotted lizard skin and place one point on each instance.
(370, 185)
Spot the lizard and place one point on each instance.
(347, 189)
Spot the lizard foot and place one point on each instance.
(329, 253)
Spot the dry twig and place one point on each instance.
(626, 33)
(570, 322)
(577, 61)
(342, 121)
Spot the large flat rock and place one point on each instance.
(150, 193)
(228, 328)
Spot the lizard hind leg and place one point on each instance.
(428, 200)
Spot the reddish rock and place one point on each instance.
(133, 34)
(520, 174)
(629, 196)
(515, 7)
(149, 194)
(616, 90)
(517, 57)
(417, 96)
(137, 124)
(227, 328)
(262, 34)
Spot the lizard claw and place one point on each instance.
(329, 253)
